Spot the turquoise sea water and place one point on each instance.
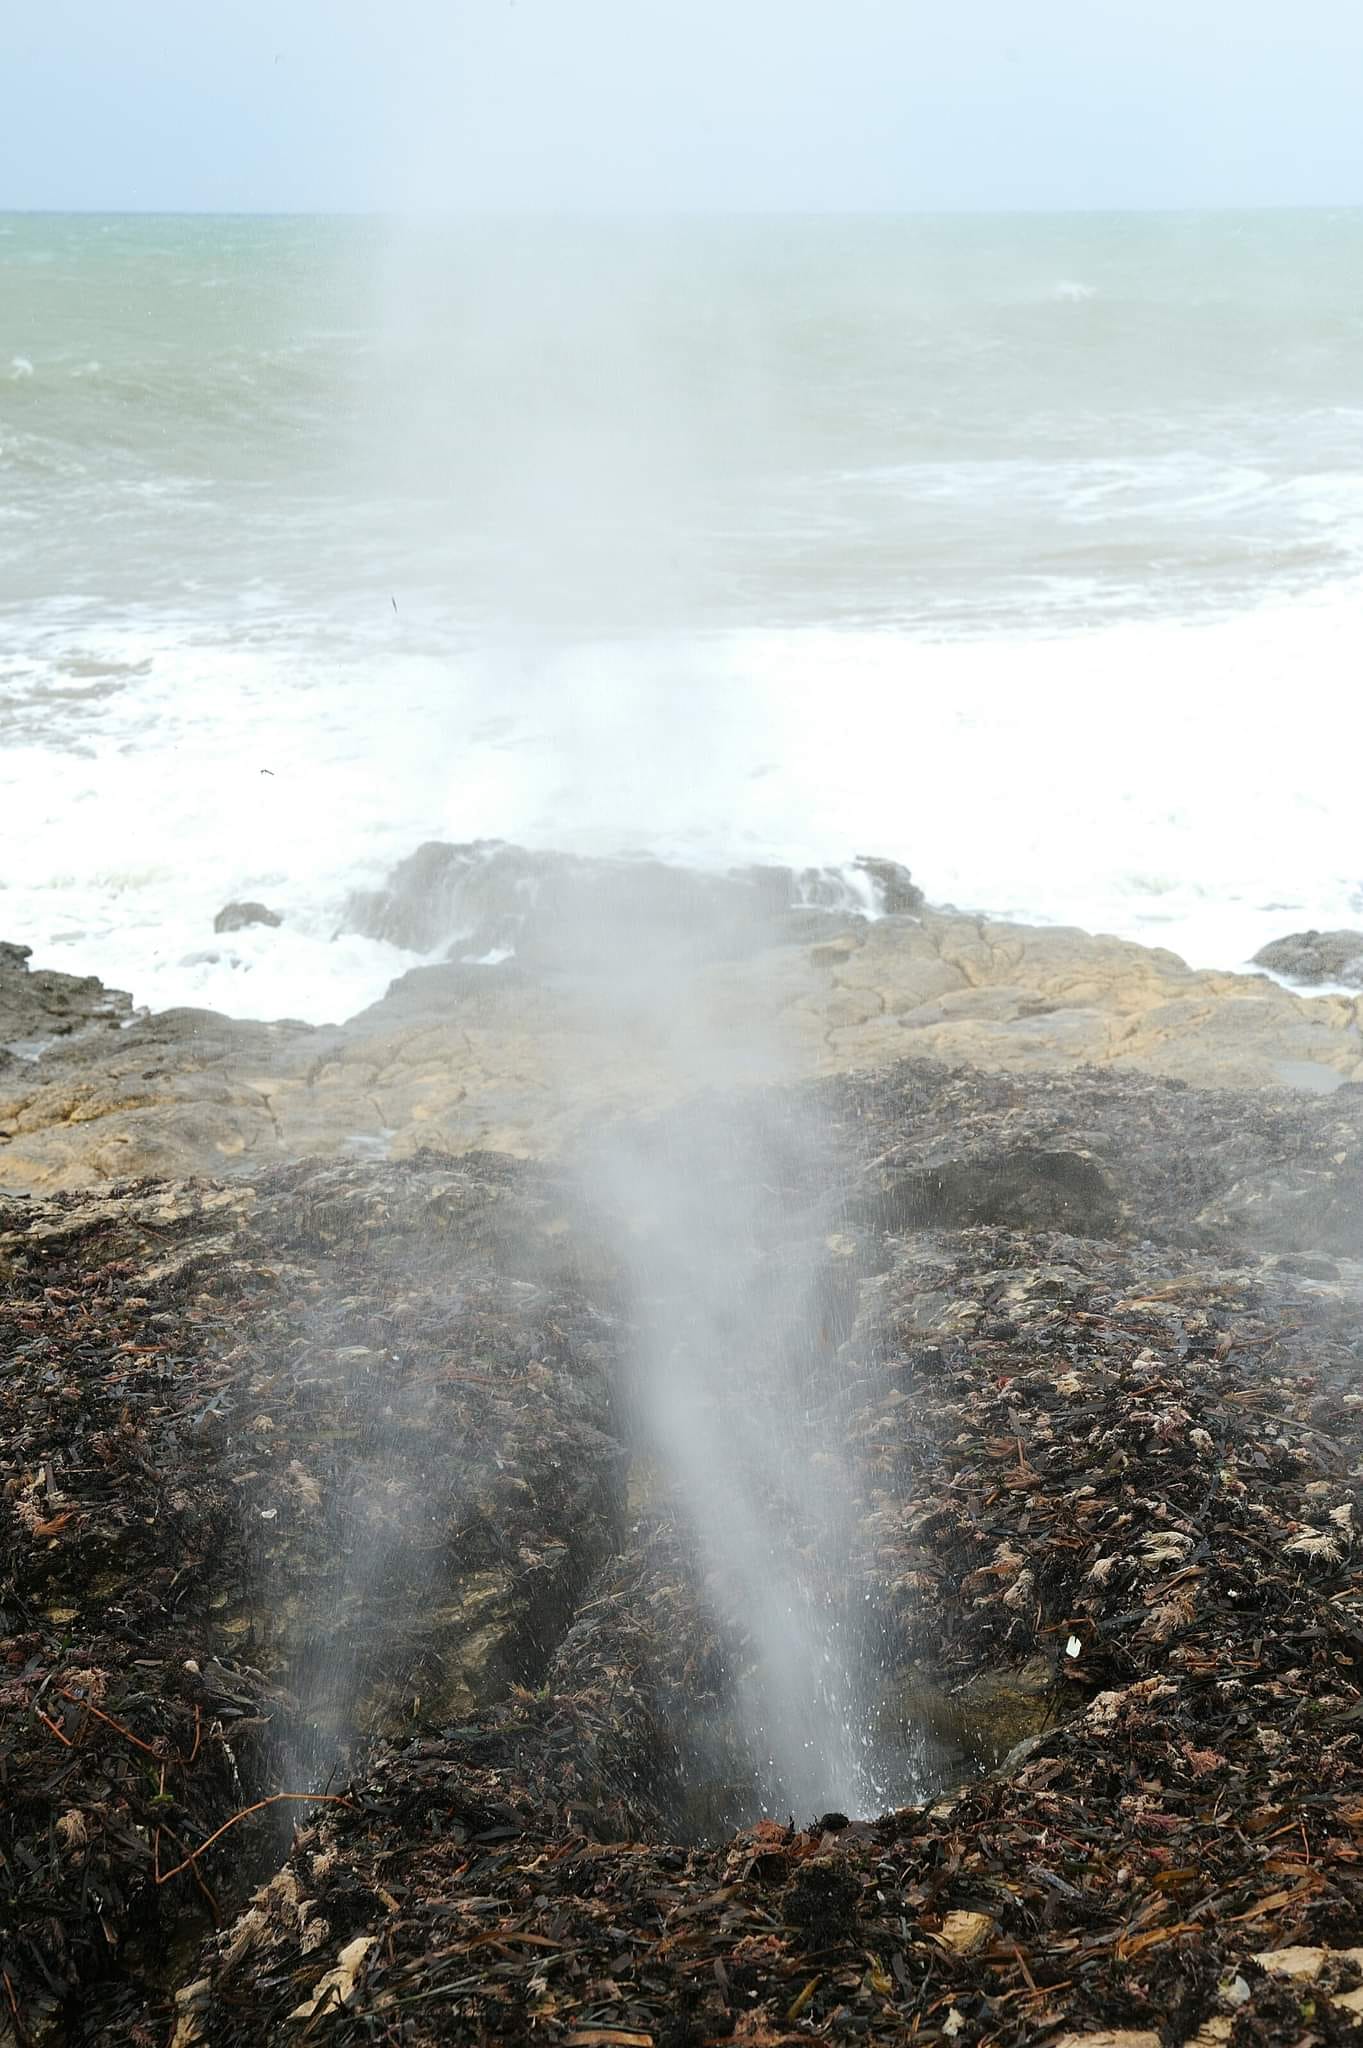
(1023, 548)
(901, 420)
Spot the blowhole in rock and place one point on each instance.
(928, 1736)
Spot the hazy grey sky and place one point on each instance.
(823, 104)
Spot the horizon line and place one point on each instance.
(428, 215)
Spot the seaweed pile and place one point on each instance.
(277, 1466)
(1141, 1466)
(1110, 1470)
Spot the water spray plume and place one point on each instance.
(732, 1375)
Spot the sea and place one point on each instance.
(1025, 550)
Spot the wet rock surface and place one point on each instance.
(1316, 956)
(237, 917)
(483, 1051)
(557, 911)
(40, 1005)
(316, 1482)
(1097, 1152)
(183, 1092)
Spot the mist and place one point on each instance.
(571, 425)
(589, 442)
(592, 411)
(742, 1444)
(731, 1378)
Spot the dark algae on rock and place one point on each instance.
(319, 1484)
(1137, 1466)
(277, 1464)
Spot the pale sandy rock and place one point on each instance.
(458, 1058)
(1213, 2033)
(1025, 997)
(1112, 2037)
(190, 2001)
(1292, 1962)
(184, 1092)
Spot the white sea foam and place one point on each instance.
(798, 543)
(1191, 786)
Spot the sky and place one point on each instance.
(642, 105)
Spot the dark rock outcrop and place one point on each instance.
(1100, 1154)
(38, 1006)
(562, 912)
(898, 895)
(235, 917)
(1315, 957)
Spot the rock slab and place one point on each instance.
(462, 1057)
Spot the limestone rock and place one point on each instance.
(1027, 998)
(184, 1092)
(777, 974)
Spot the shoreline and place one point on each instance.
(520, 1055)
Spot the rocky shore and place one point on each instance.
(357, 1680)
(521, 1056)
